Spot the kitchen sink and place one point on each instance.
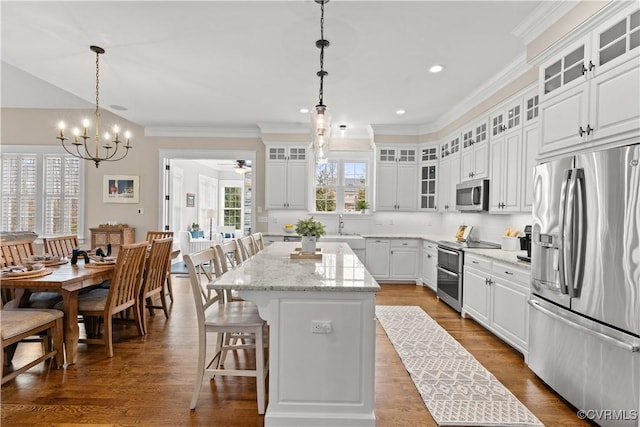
(340, 237)
(355, 241)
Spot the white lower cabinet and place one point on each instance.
(495, 294)
(392, 259)
(403, 259)
(429, 263)
(377, 258)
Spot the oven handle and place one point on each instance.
(447, 251)
(446, 271)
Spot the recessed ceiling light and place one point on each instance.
(400, 112)
(436, 68)
(304, 110)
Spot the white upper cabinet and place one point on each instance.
(286, 177)
(396, 179)
(589, 89)
(475, 151)
(449, 173)
(530, 150)
(428, 179)
(507, 118)
(506, 172)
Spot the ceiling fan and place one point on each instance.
(242, 166)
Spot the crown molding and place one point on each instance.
(541, 19)
(404, 130)
(284, 128)
(202, 132)
(512, 71)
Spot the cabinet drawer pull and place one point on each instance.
(475, 262)
(508, 272)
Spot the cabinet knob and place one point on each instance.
(508, 272)
(428, 256)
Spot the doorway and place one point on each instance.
(208, 188)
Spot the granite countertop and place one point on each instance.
(500, 255)
(428, 237)
(272, 269)
(497, 254)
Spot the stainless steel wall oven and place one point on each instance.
(449, 282)
(450, 269)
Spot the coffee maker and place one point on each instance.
(525, 244)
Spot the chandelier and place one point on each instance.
(105, 148)
(321, 120)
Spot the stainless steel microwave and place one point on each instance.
(473, 196)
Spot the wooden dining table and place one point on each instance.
(67, 279)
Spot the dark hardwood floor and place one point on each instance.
(149, 379)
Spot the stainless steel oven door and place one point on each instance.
(450, 259)
(450, 288)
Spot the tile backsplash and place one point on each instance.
(488, 227)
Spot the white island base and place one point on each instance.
(321, 377)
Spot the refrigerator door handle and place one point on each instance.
(611, 340)
(578, 250)
(562, 258)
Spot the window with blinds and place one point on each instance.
(40, 193)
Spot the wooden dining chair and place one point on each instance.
(247, 247)
(21, 323)
(151, 236)
(98, 306)
(214, 315)
(154, 278)
(259, 241)
(60, 245)
(17, 253)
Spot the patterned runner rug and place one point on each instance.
(456, 388)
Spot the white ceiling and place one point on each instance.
(237, 64)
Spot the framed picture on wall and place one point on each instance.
(121, 189)
(191, 200)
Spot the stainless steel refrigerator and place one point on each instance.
(584, 314)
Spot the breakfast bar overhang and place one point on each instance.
(321, 315)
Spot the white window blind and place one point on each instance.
(41, 193)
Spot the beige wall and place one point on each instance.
(39, 127)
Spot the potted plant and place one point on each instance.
(195, 231)
(362, 205)
(310, 230)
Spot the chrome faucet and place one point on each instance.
(340, 224)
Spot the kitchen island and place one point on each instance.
(321, 314)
